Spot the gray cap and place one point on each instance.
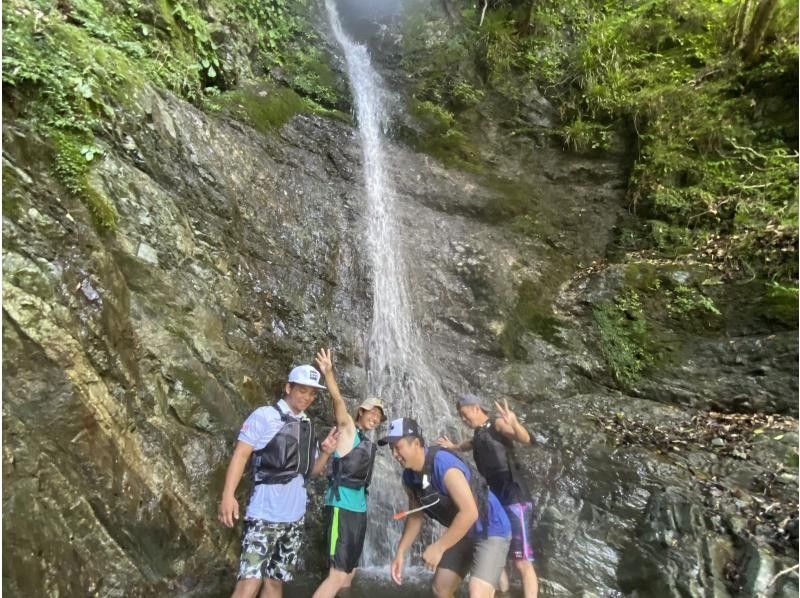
(468, 399)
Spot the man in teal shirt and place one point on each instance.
(351, 470)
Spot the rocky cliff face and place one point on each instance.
(131, 358)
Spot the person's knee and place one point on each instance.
(340, 577)
(442, 588)
(480, 588)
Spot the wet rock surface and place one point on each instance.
(130, 359)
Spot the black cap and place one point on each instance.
(400, 428)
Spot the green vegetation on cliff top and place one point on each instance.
(706, 90)
(68, 67)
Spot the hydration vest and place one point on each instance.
(288, 454)
(495, 460)
(354, 470)
(442, 508)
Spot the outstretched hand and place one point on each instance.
(397, 569)
(445, 442)
(324, 360)
(505, 412)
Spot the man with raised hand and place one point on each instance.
(443, 487)
(280, 439)
(345, 511)
(493, 450)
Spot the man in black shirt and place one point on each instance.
(492, 447)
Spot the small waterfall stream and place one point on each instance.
(396, 369)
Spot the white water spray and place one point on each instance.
(396, 367)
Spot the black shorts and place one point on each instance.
(346, 532)
(458, 557)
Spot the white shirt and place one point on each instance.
(278, 503)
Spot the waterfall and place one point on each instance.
(396, 367)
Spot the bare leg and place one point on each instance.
(246, 588)
(445, 583)
(333, 583)
(272, 588)
(478, 588)
(344, 591)
(530, 583)
(504, 584)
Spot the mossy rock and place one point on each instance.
(265, 108)
(531, 313)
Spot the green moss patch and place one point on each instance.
(265, 108)
(531, 313)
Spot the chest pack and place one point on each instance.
(495, 459)
(288, 454)
(441, 507)
(354, 470)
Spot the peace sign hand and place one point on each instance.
(505, 412)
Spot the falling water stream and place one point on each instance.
(396, 370)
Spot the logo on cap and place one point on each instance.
(305, 375)
(400, 428)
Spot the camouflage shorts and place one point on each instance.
(269, 549)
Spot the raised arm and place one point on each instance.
(344, 421)
(508, 424)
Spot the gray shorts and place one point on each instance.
(483, 558)
(489, 558)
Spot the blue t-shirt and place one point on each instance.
(499, 525)
(351, 499)
(278, 503)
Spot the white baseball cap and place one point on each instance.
(305, 375)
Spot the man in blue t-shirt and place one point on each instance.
(439, 484)
(281, 442)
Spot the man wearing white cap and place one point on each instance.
(345, 511)
(281, 440)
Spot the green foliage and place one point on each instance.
(275, 24)
(684, 300)
(73, 156)
(782, 301)
(707, 162)
(70, 81)
(312, 77)
(199, 40)
(717, 136)
(465, 95)
(69, 66)
(440, 60)
(624, 339)
(265, 109)
(499, 42)
(581, 135)
(441, 137)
